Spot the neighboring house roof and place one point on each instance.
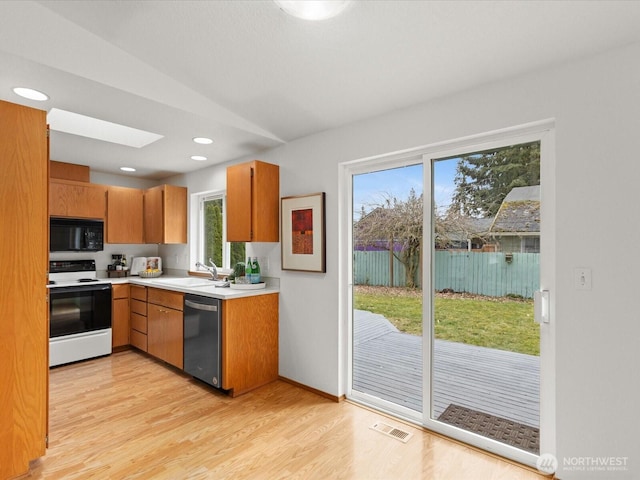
(519, 212)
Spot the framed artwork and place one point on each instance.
(303, 233)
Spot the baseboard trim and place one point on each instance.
(333, 398)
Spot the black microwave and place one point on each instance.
(75, 235)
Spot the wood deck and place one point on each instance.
(388, 364)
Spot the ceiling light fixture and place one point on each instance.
(312, 9)
(127, 169)
(202, 140)
(31, 94)
(198, 158)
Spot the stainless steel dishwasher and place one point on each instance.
(202, 339)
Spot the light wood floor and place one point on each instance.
(129, 416)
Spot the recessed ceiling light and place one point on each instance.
(198, 158)
(127, 169)
(76, 124)
(312, 9)
(31, 94)
(203, 140)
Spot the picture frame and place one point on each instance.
(303, 237)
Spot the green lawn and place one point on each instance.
(502, 323)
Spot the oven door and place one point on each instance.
(80, 309)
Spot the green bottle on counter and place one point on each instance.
(255, 271)
(248, 271)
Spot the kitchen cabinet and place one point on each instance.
(253, 191)
(120, 316)
(69, 171)
(165, 325)
(72, 199)
(249, 342)
(165, 214)
(138, 317)
(124, 215)
(24, 329)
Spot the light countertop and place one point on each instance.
(223, 293)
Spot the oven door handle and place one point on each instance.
(82, 288)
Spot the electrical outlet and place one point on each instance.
(582, 278)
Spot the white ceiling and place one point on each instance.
(251, 77)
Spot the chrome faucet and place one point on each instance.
(213, 270)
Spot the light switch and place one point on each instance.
(582, 278)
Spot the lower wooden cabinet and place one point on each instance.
(249, 342)
(120, 325)
(165, 326)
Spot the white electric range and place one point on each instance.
(79, 312)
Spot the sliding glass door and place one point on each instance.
(445, 254)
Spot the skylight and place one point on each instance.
(76, 124)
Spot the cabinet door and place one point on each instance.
(165, 214)
(120, 322)
(153, 215)
(24, 314)
(120, 316)
(76, 199)
(175, 214)
(165, 334)
(124, 215)
(266, 202)
(239, 226)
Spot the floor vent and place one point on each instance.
(392, 431)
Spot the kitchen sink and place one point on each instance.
(189, 282)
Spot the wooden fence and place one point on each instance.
(470, 272)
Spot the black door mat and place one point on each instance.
(500, 429)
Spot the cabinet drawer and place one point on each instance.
(139, 293)
(139, 322)
(139, 340)
(120, 291)
(139, 307)
(166, 298)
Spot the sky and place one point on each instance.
(372, 188)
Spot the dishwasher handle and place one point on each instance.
(200, 306)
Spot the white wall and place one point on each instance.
(596, 105)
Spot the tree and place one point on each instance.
(484, 179)
(213, 233)
(213, 247)
(396, 226)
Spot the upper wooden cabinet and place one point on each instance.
(69, 171)
(253, 191)
(24, 328)
(76, 199)
(124, 215)
(165, 214)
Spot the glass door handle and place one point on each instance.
(541, 306)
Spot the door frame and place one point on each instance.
(543, 131)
